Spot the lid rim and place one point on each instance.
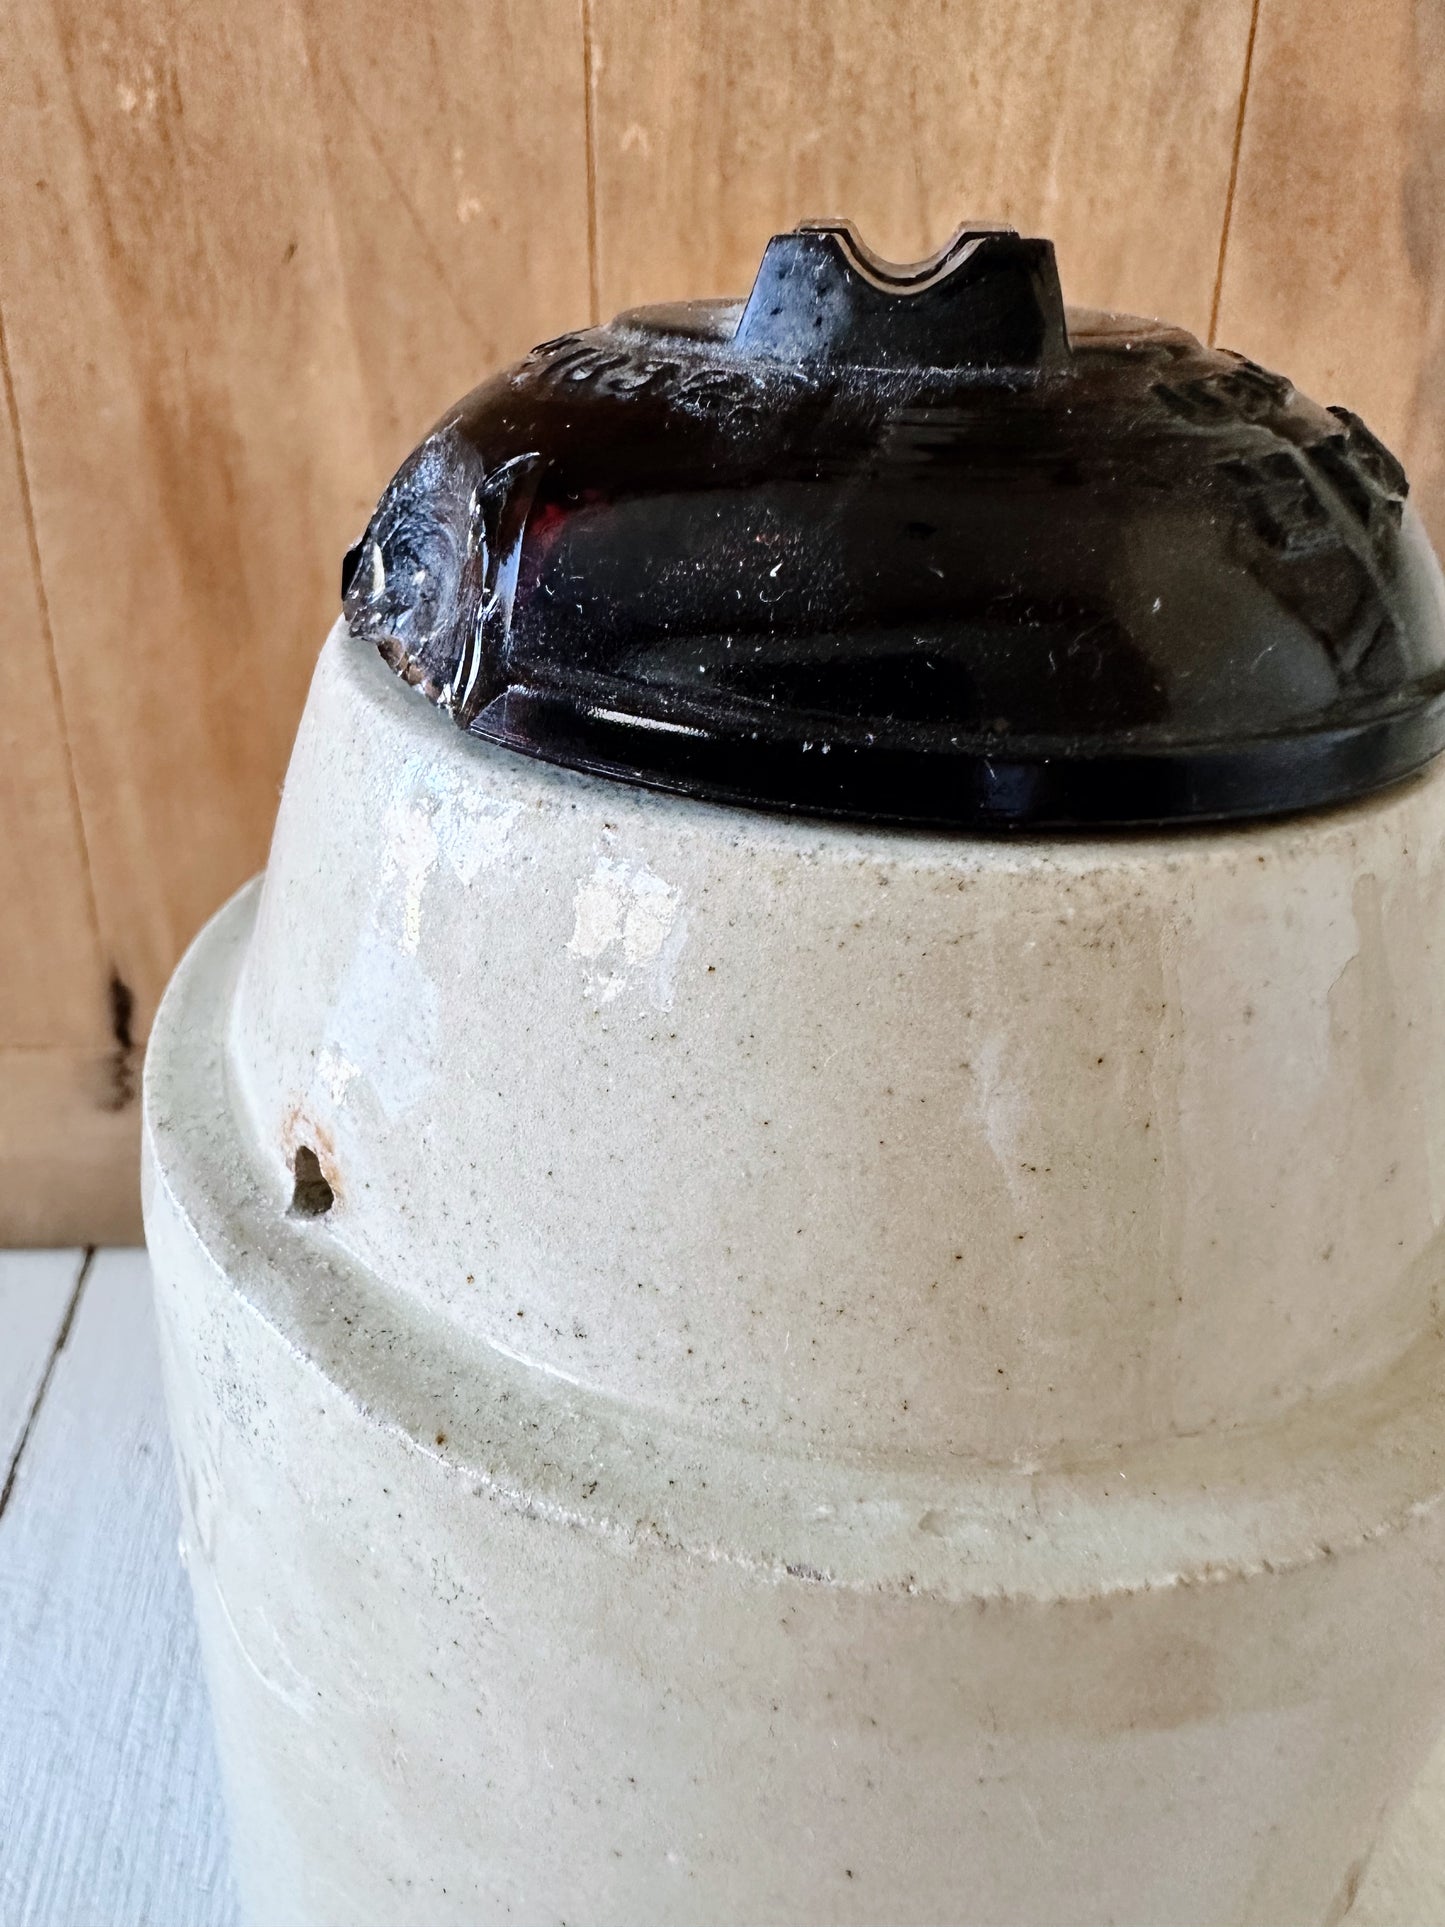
(1159, 787)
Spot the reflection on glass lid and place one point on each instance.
(915, 545)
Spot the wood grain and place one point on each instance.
(1108, 127)
(456, 165)
(69, 1145)
(145, 263)
(112, 1813)
(1334, 269)
(249, 252)
(52, 979)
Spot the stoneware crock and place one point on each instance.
(799, 1268)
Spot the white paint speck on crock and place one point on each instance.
(629, 931)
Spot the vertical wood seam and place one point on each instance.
(1233, 172)
(57, 1347)
(47, 633)
(590, 139)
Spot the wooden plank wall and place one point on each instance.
(247, 253)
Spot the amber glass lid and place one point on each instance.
(915, 545)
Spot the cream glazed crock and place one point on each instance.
(730, 1366)
(848, 1376)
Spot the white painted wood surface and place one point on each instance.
(109, 1805)
(36, 1289)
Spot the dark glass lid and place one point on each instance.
(912, 545)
